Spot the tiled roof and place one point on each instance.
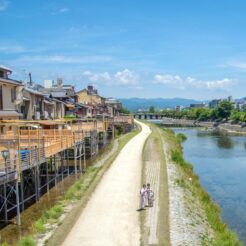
(33, 91)
(10, 81)
(5, 68)
(59, 94)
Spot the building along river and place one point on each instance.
(220, 162)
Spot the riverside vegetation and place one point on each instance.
(76, 196)
(220, 234)
(224, 110)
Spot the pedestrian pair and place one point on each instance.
(146, 194)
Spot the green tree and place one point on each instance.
(224, 109)
(152, 109)
(124, 111)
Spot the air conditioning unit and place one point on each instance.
(46, 115)
(37, 115)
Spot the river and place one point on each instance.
(220, 162)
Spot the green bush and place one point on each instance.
(39, 225)
(55, 212)
(181, 137)
(177, 157)
(27, 241)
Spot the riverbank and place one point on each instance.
(224, 128)
(194, 217)
(231, 129)
(155, 220)
(54, 223)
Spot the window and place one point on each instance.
(13, 95)
(1, 97)
(1, 74)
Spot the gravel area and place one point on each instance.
(187, 220)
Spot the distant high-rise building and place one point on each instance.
(59, 83)
(230, 99)
(48, 83)
(214, 103)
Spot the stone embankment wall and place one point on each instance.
(223, 127)
(185, 123)
(229, 128)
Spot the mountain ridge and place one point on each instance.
(136, 103)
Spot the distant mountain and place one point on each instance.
(134, 104)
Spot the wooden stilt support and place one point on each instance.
(22, 193)
(5, 203)
(17, 202)
(80, 158)
(47, 176)
(84, 163)
(75, 159)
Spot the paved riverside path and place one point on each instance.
(110, 217)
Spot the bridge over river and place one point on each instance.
(165, 121)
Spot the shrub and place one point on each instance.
(181, 137)
(177, 157)
(54, 212)
(39, 225)
(27, 241)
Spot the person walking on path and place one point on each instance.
(143, 196)
(150, 195)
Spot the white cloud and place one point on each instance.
(238, 65)
(126, 77)
(100, 77)
(63, 10)
(178, 82)
(11, 48)
(97, 77)
(87, 73)
(65, 59)
(3, 5)
(139, 88)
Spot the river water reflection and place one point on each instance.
(220, 162)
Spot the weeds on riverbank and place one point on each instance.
(27, 241)
(80, 190)
(222, 235)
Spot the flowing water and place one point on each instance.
(220, 162)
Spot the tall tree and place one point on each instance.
(152, 109)
(224, 109)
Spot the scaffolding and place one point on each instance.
(34, 158)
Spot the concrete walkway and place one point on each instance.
(110, 217)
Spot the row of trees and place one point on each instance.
(225, 110)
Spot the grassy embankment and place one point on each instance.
(153, 152)
(222, 236)
(78, 195)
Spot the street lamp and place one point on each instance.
(5, 155)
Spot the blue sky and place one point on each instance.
(131, 48)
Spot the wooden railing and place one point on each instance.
(29, 147)
(124, 119)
